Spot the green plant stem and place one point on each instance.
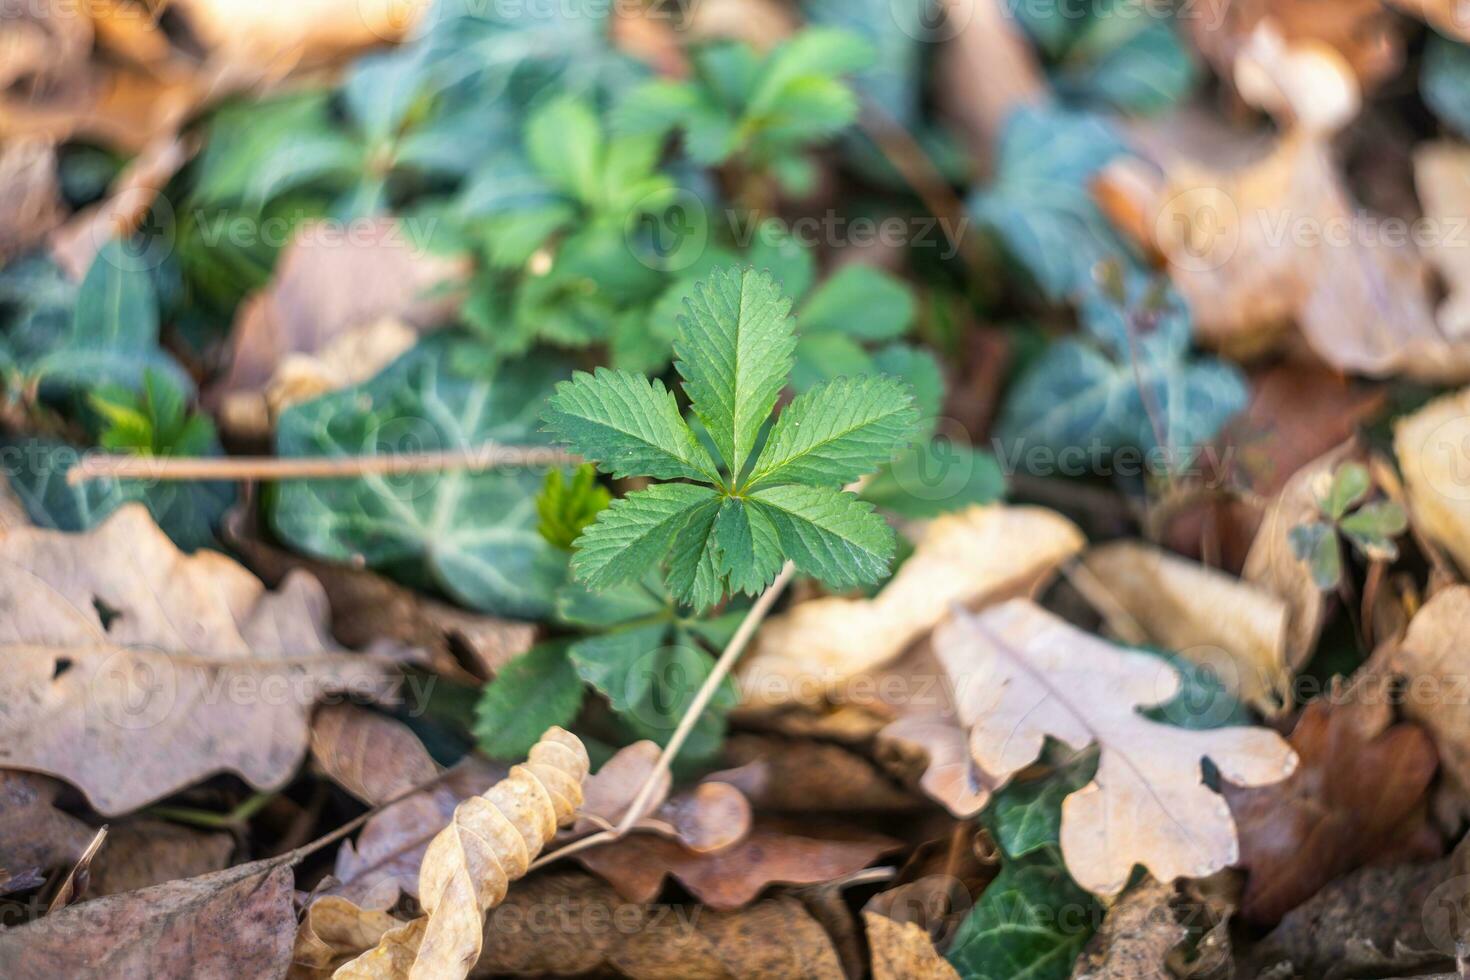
(728, 657)
(234, 820)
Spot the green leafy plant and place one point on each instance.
(764, 111)
(155, 422)
(1128, 381)
(774, 494)
(1370, 527)
(565, 507)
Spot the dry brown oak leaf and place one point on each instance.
(469, 866)
(132, 670)
(1022, 675)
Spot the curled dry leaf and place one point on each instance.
(325, 305)
(332, 932)
(371, 756)
(971, 557)
(1237, 630)
(1272, 565)
(1022, 675)
(1358, 795)
(35, 836)
(1431, 449)
(774, 852)
(1135, 939)
(1442, 177)
(469, 865)
(903, 951)
(384, 861)
(773, 938)
(233, 923)
(1434, 654)
(134, 670)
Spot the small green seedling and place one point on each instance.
(775, 492)
(1370, 527)
(156, 422)
(565, 508)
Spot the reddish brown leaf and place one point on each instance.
(371, 756)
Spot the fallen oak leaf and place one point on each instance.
(1202, 613)
(774, 852)
(1356, 796)
(1022, 675)
(199, 669)
(469, 865)
(971, 557)
(232, 923)
(373, 757)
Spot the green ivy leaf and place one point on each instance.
(1026, 817)
(530, 694)
(1030, 924)
(471, 535)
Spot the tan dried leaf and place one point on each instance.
(30, 195)
(332, 932)
(1431, 446)
(142, 852)
(904, 951)
(969, 558)
(708, 817)
(1135, 939)
(470, 864)
(1442, 178)
(392, 958)
(1272, 565)
(368, 754)
(233, 923)
(936, 745)
(1022, 675)
(1435, 657)
(35, 836)
(134, 670)
(1237, 630)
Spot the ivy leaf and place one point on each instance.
(1446, 82)
(565, 509)
(734, 353)
(1026, 817)
(836, 433)
(631, 425)
(471, 535)
(1030, 924)
(530, 694)
(1041, 204)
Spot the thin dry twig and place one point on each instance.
(161, 468)
(641, 803)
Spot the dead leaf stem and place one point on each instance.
(157, 468)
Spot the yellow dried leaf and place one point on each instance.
(1022, 675)
(333, 931)
(968, 558)
(470, 864)
(1433, 450)
(904, 951)
(1214, 619)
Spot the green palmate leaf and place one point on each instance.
(694, 563)
(836, 433)
(748, 547)
(1446, 82)
(860, 301)
(565, 508)
(734, 352)
(1030, 924)
(533, 692)
(1350, 484)
(1373, 527)
(471, 535)
(635, 533)
(564, 141)
(629, 424)
(828, 534)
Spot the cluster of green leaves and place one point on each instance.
(763, 111)
(1445, 83)
(565, 507)
(1127, 381)
(1122, 54)
(776, 490)
(1343, 513)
